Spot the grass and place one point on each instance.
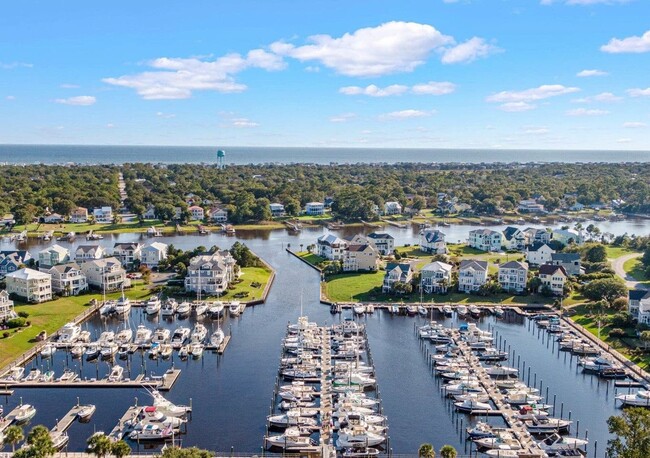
(80, 228)
(614, 252)
(311, 258)
(249, 276)
(634, 268)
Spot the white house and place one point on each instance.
(314, 208)
(127, 253)
(432, 241)
(396, 272)
(219, 215)
(392, 208)
(210, 273)
(52, 256)
(472, 275)
(570, 262)
(530, 206)
(568, 236)
(534, 235)
(435, 277)
(553, 277)
(382, 242)
(6, 307)
(152, 254)
(79, 215)
(150, 212)
(538, 254)
(105, 273)
(360, 257)
(513, 276)
(196, 213)
(103, 215)
(329, 246)
(53, 218)
(277, 210)
(485, 240)
(32, 285)
(68, 279)
(639, 305)
(514, 239)
(85, 253)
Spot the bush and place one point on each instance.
(617, 332)
(16, 323)
(5, 334)
(23, 314)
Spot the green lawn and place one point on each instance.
(311, 258)
(248, 276)
(617, 251)
(80, 228)
(635, 269)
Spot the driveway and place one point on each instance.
(617, 265)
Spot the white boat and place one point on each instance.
(359, 437)
(503, 453)
(474, 311)
(284, 421)
(142, 335)
(160, 335)
(151, 432)
(184, 351)
(447, 310)
(59, 440)
(67, 376)
(47, 376)
(422, 310)
(69, 333)
(77, 350)
(86, 411)
(116, 374)
(461, 311)
(14, 374)
(502, 441)
(166, 350)
(411, 310)
(498, 312)
(106, 336)
(84, 336)
(198, 333)
(170, 409)
(201, 309)
(639, 399)
(595, 364)
(288, 441)
(547, 425)
(359, 309)
(168, 309)
(216, 309)
(196, 349)
(107, 308)
(124, 336)
(24, 413)
(393, 309)
(123, 305)
(153, 305)
(92, 351)
(501, 371)
(48, 350)
(108, 350)
(363, 452)
(217, 338)
(471, 405)
(235, 308)
(33, 376)
(180, 336)
(556, 443)
(184, 309)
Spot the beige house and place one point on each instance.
(79, 215)
(127, 252)
(210, 273)
(435, 277)
(472, 274)
(85, 253)
(105, 274)
(554, 277)
(360, 257)
(68, 279)
(513, 276)
(32, 285)
(6, 307)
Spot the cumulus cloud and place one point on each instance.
(468, 51)
(164, 115)
(434, 88)
(243, 123)
(521, 100)
(177, 78)
(604, 97)
(631, 44)
(80, 100)
(637, 92)
(12, 65)
(634, 125)
(514, 107)
(588, 73)
(430, 88)
(586, 112)
(343, 117)
(406, 114)
(537, 130)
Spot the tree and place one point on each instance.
(13, 435)
(645, 338)
(418, 203)
(99, 445)
(426, 451)
(619, 304)
(191, 452)
(40, 441)
(447, 451)
(262, 209)
(120, 449)
(596, 253)
(292, 206)
(606, 289)
(632, 431)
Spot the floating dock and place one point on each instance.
(67, 420)
(163, 382)
(8, 419)
(118, 432)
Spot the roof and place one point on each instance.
(537, 245)
(484, 232)
(358, 247)
(58, 248)
(473, 264)
(510, 231)
(565, 257)
(330, 239)
(65, 268)
(87, 248)
(28, 274)
(436, 266)
(638, 294)
(104, 262)
(433, 236)
(380, 235)
(22, 254)
(127, 245)
(404, 266)
(550, 269)
(513, 265)
(158, 246)
(311, 204)
(195, 207)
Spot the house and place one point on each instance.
(193, 199)
(360, 257)
(53, 218)
(11, 261)
(103, 215)
(6, 307)
(577, 207)
(472, 275)
(68, 279)
(396, 272)
(85, 253)
(277, 210)
(530, 206)
(196, 213)
(314, 208)
(570, 262)
(218, 215)
(485, 240)
(382, 242)
(29, 284)
(127, 253)
(329, 246)
(554, 277)
(513, 276)
(534, 235)
(79, 215)
(210, 273)
(52, 256)
(538, 254)
(105, 274)
(639, 305)
(7, 220)
(152, 254)
(432, 241)
(568, 236)
(435, 277)
(513, 239)
(392, 208)
(150, 213)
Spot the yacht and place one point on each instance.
(24, 413)
(180, 336)
(447, 310)
(48, 350)
(153, 305)
(92, 351)
(67, 376)
(184, 352)
(640, 398)
(501, 371)
(359, 309)
(107, 308)
(160, 335)
(168, 309)
(116, 374)
(235, 308)
(461, 310)
(184, 309)
(502, 441)
(122, 306)
(422, 310)
(289, 441)
(33, 376)
(85, 412)
(124, 336)
(201, 309)
(77, 350)
(69, 333)
(106, 336)
(555, 443)
(198, 333)
(471, 405)
(474, 311)
(196, 349)
(216, 309)
(84, 336)
(358, 437)
(108, 350)
(151, 432)
(217, 338)
(411, 310)
(142, 336)
(547, 425)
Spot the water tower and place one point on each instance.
(221, 157)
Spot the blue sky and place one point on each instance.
(547, 74)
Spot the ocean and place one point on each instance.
(91, 154)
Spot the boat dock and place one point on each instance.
(163, 382)
(221, 348)
(67, 420)
(118, 432)
(8, 419)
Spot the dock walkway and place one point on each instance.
(67, 420)
(118, 432)
(8, 419)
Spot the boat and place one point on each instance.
(116, 374)
(123, 351)
(24, 413)
(411, 310)
(196, 349)
(166, 351)
(180, 336)
(502, 441)
(461, 311)
(142, 336)
(48, 350)
(122, 305)
(85, 412)
(184, 309)
(358, 437)
(47, 376)
(170, 409)
(393, 309)
(77, 350)
(498, 312)
(471, 404)
(360, 452)
(84, 336)
(108, 350)
(422, 310)
(107, 308)
(481, 430)
(124, 336)
(152, 306)
(556, 443)
(284, 420)
(160, 335)
(106, 337)
(92, 351)
(501, 371)
(499, 453)
(235, 309)
(69, 333)
(447, 310)
(359, 309)
(168, 309)
(33, 376)
(216, 309)
(230, 229)
(151, 432)
(201, 309)
(289, 441)
(640, 399)
(474, 311)
(198, 333)
(184, 351)
(59, 440)
(217, 338)
(67, 376)
(547, 425)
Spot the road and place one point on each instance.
(630, 282)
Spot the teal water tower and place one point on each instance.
(221, 158)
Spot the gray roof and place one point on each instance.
(638, 294)
(380, 235)
(473, 264)
(329, 239)
(550, 269)
(513, 265)
(434, 236)
(536, 246)
(510, 231)
(484, 231)
(565, 257)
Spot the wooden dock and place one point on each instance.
(67, 420)
(168, 379)
(8, 419)
(118, 432)
(163, 382)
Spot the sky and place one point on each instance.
(540, 74)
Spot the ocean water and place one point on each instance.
(91, 154)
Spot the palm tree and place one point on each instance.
(13, 435)
(447, 451)
(120, 449)
(40, 441)
(426, 451)
(99, 445)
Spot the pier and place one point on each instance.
(118, 432)
(67, 420)
(163, 382)
(8, 419)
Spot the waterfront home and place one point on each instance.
(105, 274)
(68, 279)
(31, 285)
(435, 277)
(6, 307)
(433, 241)
(314, 208)
(193, 199)
(356, 239)
(577, 207)
(277, 210)
(538, 254)
(513, 276)
(553, 277)
(396, 272)
(85, 253)
(210, 273)
(196, 213)
(53, 218)
(570, 262)
(472, 275)
(513, 239)
(331, 247)
(178, 212)
(7, 220)
(568, 236)
(360, 257)
(103, 215)
(52, 256)
(127, 253)
(392, 208)
(534, 235)
(218, 215)
(150, 212)
(530, 206)
(79, 215)
(11, 261)
(485, 240)
(151, 255)
(639, 305)
(382, 242)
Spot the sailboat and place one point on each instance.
(217, 337)
(123, 305)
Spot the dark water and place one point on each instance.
(94, 154)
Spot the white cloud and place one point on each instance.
(69, 86)
(529, 95)
(468, 51)
(430, 88)
(80, 100)
(637, 92)
(586, 112)
(343, 117)
(537, 130)
(163, 115)
(588, 73)
(584, 2)
(12, 65)
(392, 47)
(624, 140)
(312, 68)
(110, 125)
(10, 97)
(605, 97)
(178, 77)
(634, 125)
(407, 114)
(631, 44)
(243, 123)
(514, 107)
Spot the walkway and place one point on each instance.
(630, 281)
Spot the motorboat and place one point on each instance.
(77, 350)
(196, 349)
(531, 413)
(481, 430)
(639, 399)
(289, 441)
(106, 336)
(461, 311)
(201, 309)
(24, 413)
(492, 354)
(499, 453)
(160, 336)
(422, 311)
(180, 336)
(48, 350)
(151, 432)
(92, 351)
(166, 351)
(362, 452)
(152, 306)
(107, 308)
(235, 308)
(359, 309)
(447, 310)
(108, 350)
(358, 437)
(168, 309)
(154, 350)
(595, 364)
(198, 333)
(474, 311)
(142, 336)
(184, 351)
(14, 374)
(393, 309)
(498, 312)
(116, 374)
(33, 376)
(518, 398)
(284, 421)
(184, 309)
(547, 425)
(216, 309)
(124, 336)
(85, 412)
(170, 409)
(84, 336)
(69, 333)
(217, 338)
(67, 376)
(59, 440)
(556, 443)
(123, 351)
(47, 376)
(471, 405)
(502, 441)
(501, 371)
(122, 306)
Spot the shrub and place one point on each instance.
(16, 323)
(23, 314)
(5, 334)
(617, 332)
